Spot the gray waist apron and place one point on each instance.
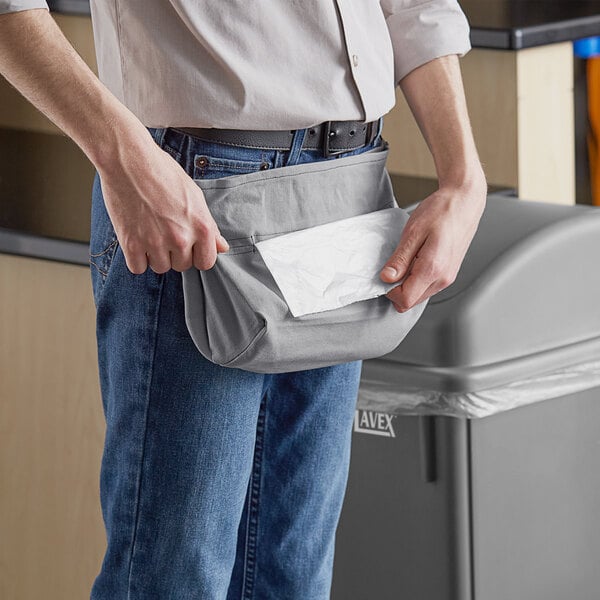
(235, 312)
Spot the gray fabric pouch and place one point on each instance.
(235, 312)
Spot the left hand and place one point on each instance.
(434, 242)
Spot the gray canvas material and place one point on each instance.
(235, 313)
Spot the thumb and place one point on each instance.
(222, 245)
(398, 264)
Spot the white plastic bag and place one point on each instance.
(328, 266)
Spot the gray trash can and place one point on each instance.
(475, 469)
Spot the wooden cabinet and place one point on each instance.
(51, 432)
(521, 108)
(51, 420)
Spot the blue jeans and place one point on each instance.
(216, 483)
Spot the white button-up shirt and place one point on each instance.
(264, 64)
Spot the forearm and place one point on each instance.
(41, 64)
(435, 95)
(155, 207)
(439, 231)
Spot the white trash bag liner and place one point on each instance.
(388, 398)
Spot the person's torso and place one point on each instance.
(245, 64)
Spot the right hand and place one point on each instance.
(159, 214)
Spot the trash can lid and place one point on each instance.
(526, 300)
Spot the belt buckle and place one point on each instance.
(328, 152)
(326, 137)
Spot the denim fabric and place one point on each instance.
(216, 483)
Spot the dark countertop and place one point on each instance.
(517, 24)
(73, 7)
(501, 24)
(30, 245)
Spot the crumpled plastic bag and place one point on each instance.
(335, 264)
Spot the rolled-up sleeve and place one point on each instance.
(422, 30)
(8, 6)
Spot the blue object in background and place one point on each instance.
(587, 47)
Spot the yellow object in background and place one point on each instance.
(593, 77)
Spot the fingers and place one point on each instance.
(166, 223)
(434, 288)
(433, 244)
(398, 265)
(159, 263)
(180, 253)
(204, 258)
(136, 264)
(403, 297)
(222, 245)
(202, 255)
(428, 275)
(135, 257)
(406, 264)
(181, 261)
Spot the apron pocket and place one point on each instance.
(220, 319)
(236, 312)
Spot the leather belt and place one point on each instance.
(333, 137)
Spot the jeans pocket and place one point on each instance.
(103, 259)
(208, 166)
(103, 239)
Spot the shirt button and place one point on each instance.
(355, 60)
